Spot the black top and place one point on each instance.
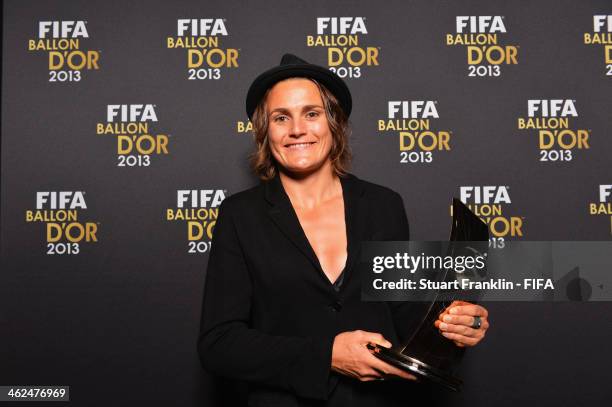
(270, 314)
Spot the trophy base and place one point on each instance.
(416, 367)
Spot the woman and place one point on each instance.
(282, 306)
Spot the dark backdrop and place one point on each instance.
(118, 321)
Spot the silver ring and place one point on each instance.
(477, 323)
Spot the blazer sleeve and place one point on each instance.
(230, 347)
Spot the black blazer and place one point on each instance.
(270, 314)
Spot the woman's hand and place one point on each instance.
(352, 358)
(458, 321)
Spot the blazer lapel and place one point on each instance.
(284, 216)
(354, 217)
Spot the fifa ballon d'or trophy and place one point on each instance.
(427, 354)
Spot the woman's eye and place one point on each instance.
(313, 114)
(280, 118)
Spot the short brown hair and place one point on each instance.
(263, 162)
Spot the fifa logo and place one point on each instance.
(415, 109)
(480, 24)
(201, 27)
(341, 25)
(551, 108)
(485, 195)
(62, 29)
(130, 113)
(60, 200)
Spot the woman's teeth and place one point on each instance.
(299, 146)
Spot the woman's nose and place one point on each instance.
(298, 127)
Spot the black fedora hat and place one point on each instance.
(292, 66)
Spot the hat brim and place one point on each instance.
(270, 77)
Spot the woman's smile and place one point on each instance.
(301, 145)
